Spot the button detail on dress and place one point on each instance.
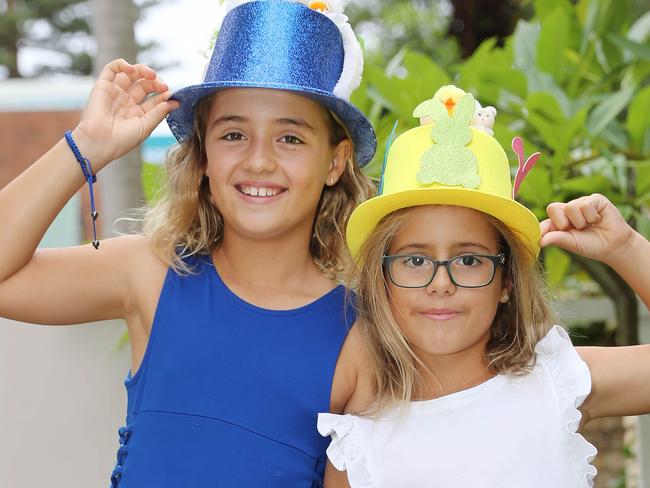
(118, 471)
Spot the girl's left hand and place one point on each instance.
(590, 226)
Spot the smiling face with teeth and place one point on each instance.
(269, 155)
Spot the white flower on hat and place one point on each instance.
(353, 61)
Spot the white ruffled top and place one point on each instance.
(509, 432)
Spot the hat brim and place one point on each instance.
(181, 120)
(514, 215)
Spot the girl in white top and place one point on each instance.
(471, 384)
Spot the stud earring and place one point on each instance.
(331, 181)
(505, 298)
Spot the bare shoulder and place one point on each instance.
(145, 272)
(134, 257)
(140, 261)
(352, 385)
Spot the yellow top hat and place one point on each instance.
(453, 161)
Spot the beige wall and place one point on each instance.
(61, 403)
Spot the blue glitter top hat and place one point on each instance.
(284, 45)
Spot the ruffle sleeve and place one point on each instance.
(345, 451)
(572, 381)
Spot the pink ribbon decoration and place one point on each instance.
(524, 167)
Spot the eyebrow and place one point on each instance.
(473, 244)
(228, 118)
(459, 245)
(284, 121)
(297, 122)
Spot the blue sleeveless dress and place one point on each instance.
(228, 393)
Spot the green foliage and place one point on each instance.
(392, 25)
(153, 178)
(572, 81)
(57, 26)
(556, 263)
(46, 24)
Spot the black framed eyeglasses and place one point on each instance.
(466, 271)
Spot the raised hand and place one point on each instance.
(125, 105)
(590, 226)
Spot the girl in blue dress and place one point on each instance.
(231, 294)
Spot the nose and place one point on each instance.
(441, 283)
(259, 158)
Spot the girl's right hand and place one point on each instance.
(120, 113)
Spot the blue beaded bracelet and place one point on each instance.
(87, 171)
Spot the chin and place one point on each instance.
(451, 339)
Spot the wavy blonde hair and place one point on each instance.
(517, 327)
(185, 221)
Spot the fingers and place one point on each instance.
(125, 81)
(551, 235)
(573, 211)
(557, 216)
(546, 226)
(141, 89)
(131, 71)
(577, 214)
(590, 211)
(156, 108)
(155, 100)
(565, 240)
(125, 76)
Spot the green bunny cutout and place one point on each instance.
(448, 161)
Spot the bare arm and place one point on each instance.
(351, 391)
(78, 284)
(620, 381)
(632, 263)
(591, 226)
(335, 478)
(352, 384)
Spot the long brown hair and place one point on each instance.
(185, 221)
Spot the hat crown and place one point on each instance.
(279, 44)
(405, 161)
(450, 160)
(284, 45)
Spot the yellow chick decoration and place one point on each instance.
(449, 96)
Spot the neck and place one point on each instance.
(272, 272)
(446, 374)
